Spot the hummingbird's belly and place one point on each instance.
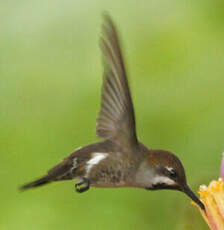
(111, 171)
(107, 178)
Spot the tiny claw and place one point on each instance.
(82, 186)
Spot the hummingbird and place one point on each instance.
(120, 159)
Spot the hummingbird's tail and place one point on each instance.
(62, 171)
(42, 181)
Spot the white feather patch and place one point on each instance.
(169, 168)
(162, 180)
(96, 158)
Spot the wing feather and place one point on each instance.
(116, 120)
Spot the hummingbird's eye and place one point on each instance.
(173, 173)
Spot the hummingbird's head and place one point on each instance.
(163, 170)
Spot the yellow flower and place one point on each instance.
(213, 199)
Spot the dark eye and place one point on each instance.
(172, 173)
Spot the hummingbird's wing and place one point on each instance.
(116, 119)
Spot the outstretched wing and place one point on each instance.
(116, 119)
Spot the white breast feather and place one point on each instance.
(96, 158)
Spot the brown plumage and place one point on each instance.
(120, 160)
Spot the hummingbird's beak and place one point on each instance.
(190, 193)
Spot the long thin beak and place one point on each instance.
(189, 192)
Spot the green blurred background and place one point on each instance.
(50, 80)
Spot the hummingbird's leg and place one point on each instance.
(82, 186)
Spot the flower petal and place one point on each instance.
(213, 199)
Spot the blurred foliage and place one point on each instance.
(50, 79)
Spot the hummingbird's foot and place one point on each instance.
(82, 186)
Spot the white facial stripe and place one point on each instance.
(169, 168)
(96, 158)
(162, 180)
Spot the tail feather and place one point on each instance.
(42, 181)
(61, 171)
